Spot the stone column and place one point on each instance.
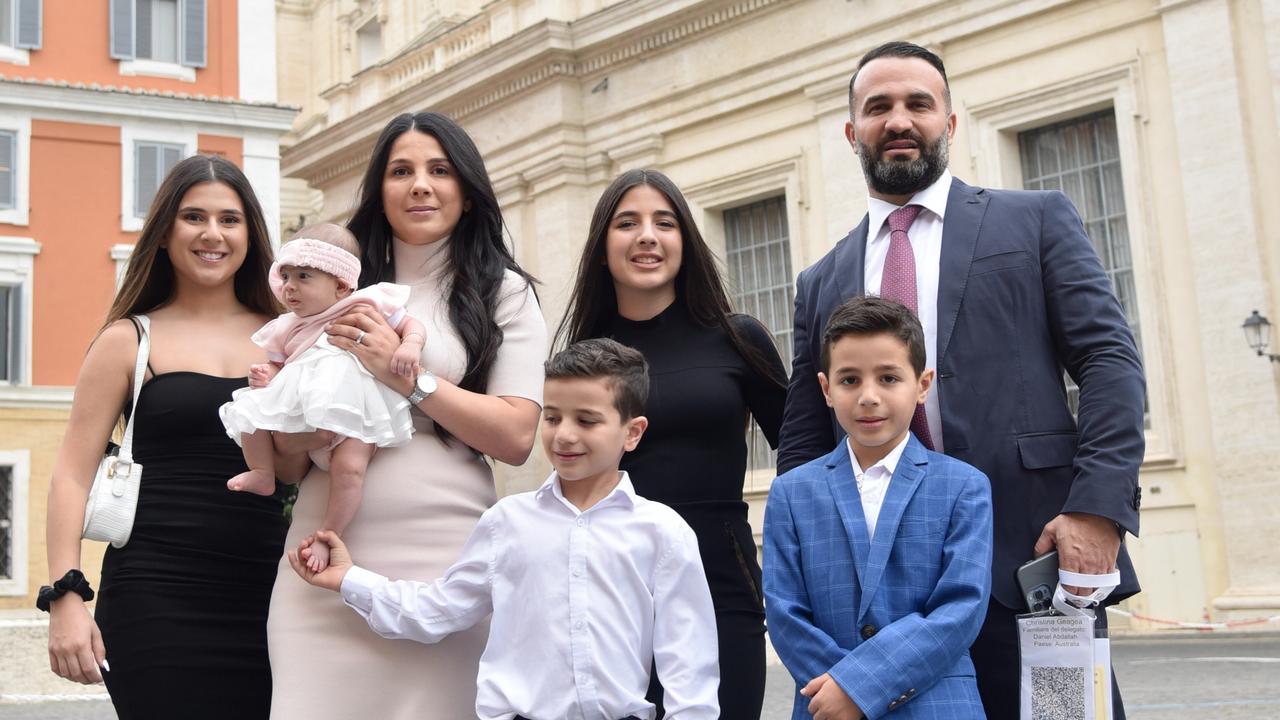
(1230, 280)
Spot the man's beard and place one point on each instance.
(904, 177)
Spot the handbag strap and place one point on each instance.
(139, 371)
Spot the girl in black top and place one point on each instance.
(647, 279)
(180, 628)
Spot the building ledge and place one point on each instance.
(110, 100)
(36, 397)
(160, 69)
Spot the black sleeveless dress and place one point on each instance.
(183, 605)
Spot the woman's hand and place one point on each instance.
(75, 644)
(339, 561)
(376, 347)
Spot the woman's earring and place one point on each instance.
(388, 253)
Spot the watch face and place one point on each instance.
(426, 383)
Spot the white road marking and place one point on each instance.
(1166, 661)
(17, 699)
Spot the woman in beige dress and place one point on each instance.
(427, 218)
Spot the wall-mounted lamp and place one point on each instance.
(1257, 332)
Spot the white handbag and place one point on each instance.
(113, 500)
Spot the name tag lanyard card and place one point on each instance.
(1065, 657)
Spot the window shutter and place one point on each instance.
(8, 173)
(143, 30)
(15, 334)
(192, 30)
(146, 164)
(29, 25)
(171, 155)
(122, 29)
(6, 334)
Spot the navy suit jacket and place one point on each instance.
(891, 617)
(1022, 296)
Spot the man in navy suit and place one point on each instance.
(1011, 293)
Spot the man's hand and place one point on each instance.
(339, 561)
(828, 701)
(1086, 544)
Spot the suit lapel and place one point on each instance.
(966, 207)
(850, 255)
(844, 488)
(906, 479)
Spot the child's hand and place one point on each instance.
(339, 560)
(260, 374)
(404, 362)
(829, 701)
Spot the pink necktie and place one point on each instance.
(899, 283)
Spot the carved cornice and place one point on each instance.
(687, 29)
(532, 58)
(539, 76)
(353, 158)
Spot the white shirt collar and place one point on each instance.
(888, 462)
(623, 493)
(932, 198)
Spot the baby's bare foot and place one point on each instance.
(319, 559)
(258, 482)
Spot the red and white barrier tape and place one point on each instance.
(1196, 625)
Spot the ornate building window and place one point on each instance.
(14, 477)
(758, 259)
(1081, 157)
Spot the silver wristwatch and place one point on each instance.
(422, 388)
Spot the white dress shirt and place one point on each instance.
(582, 602)
(926, 245)
(873, 482)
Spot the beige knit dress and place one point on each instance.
(420, 503)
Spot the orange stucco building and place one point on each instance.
(98, 99)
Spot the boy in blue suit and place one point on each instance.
(877, 557)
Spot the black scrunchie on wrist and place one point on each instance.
(73, 582)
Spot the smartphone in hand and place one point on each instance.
(1037, 580)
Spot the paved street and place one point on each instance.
(1213, 676)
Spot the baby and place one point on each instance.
(312, 385)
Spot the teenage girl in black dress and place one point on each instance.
(180, 624)
(648, 280)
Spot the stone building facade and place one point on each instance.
(1157, 117)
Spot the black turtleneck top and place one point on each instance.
(693, 456)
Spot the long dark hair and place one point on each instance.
(478, 255)
(149, 280)
(698, 285)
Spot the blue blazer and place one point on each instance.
(1021, 297)
(892, 617)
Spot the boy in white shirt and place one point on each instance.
(589, 584)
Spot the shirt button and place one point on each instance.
(577, 625)
(577, 572)
(581, 522)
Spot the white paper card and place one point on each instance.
(1057, 667)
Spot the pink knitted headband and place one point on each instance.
(317, 255)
